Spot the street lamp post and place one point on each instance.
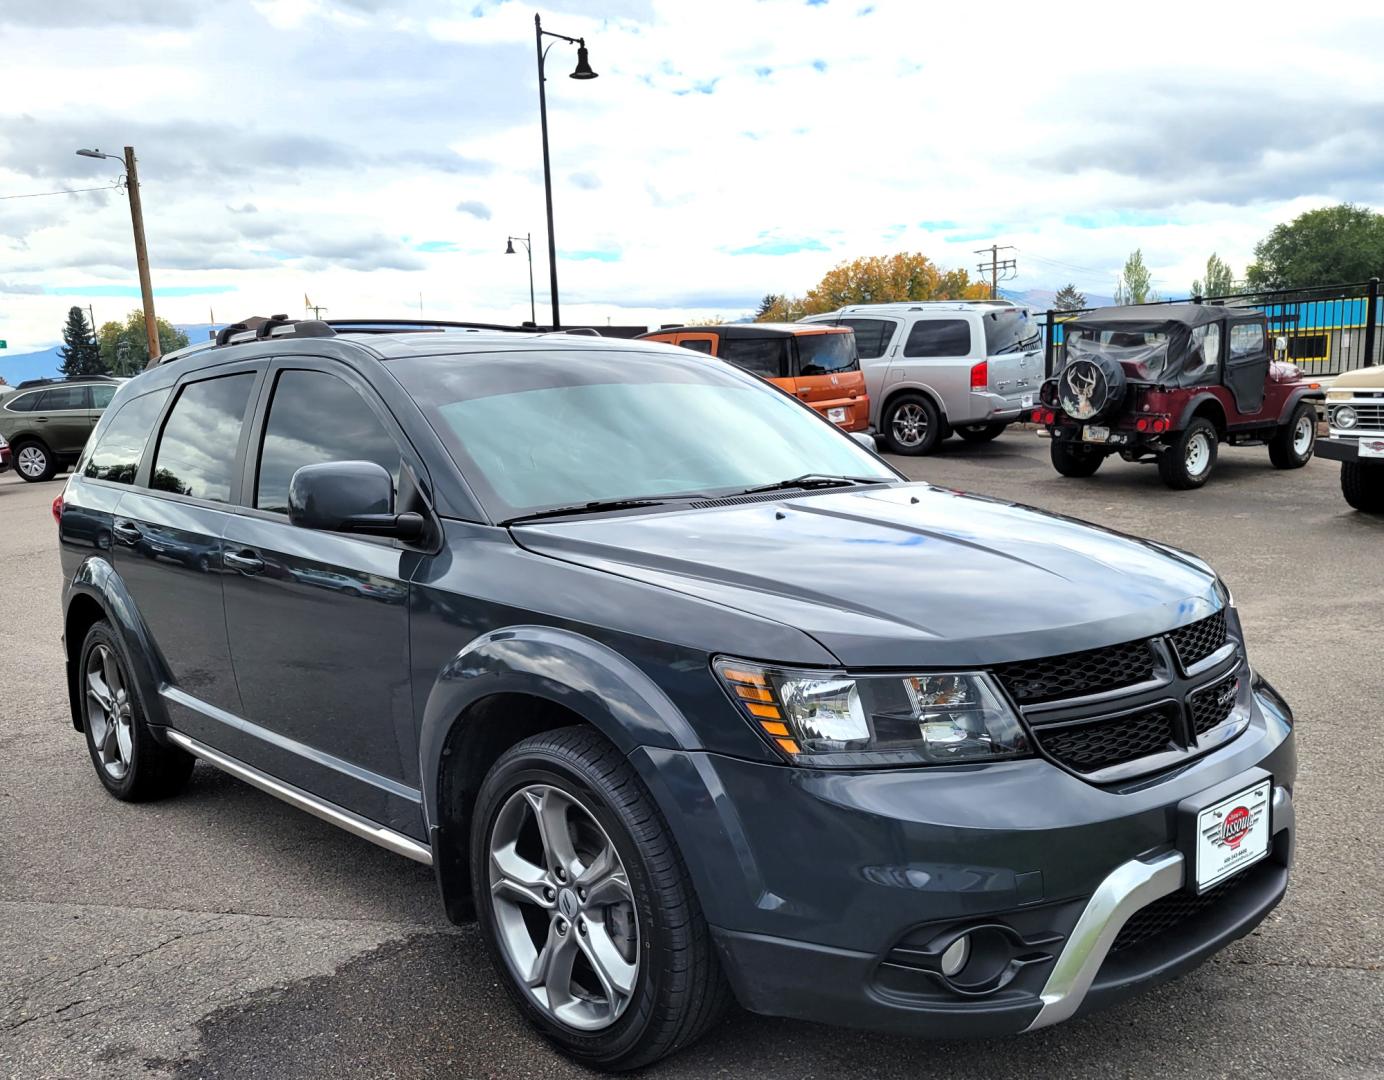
(583, 71)
(527, 241)
(146, 288)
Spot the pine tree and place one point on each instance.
(80, 353)
(1069, 299)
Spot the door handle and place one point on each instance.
(40, 419)
(127, 532)
(245, 562)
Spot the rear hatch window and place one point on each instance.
(1010, 331)
(826, 354)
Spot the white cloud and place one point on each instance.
(364, 151)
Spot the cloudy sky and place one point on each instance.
(365, 152)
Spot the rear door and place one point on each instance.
(765, 355)
(1247, 364)
(61, 417)
(318, 621)
(1013, 355)
(101, 394)
(168, 543)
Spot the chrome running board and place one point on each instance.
(302, 800)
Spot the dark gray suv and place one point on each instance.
(685, 695)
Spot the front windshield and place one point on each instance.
(537, 430)
(823, 354)
(1144, 355)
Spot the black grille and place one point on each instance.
(1212, 704)
(1111, 741)
(1200, 639)
(1167, 911)
(1074, 674)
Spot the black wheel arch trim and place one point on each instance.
(1296, 398)
(1190, 409)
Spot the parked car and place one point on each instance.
(934, 368)
(47, 421)
(1355, 411)
(4, 455)
(642, 703)
(1168, 383)
(819, 365)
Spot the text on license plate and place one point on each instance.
(1371, 448)
(1233, 834)
(1094, 433)
(836, 416)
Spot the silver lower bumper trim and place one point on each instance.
(1131, 886)
(302, 800)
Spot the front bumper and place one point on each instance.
(1338, 449)
(829, 894)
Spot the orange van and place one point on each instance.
(816, 363)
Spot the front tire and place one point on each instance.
(980, 433)
(586, 907)
(912, 425)
(34, 462)
(133, 766)
(1189, 459)
(1363, 486)
(1293, 444)
(1074, 459)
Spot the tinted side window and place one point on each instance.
(23, 402)
(939, 337)
(1245, 339)
(116, 456)
(872, 336)
(101, 395)
(63, 397)
(196, 454)
(766, 356)
(316, 417)
(701, 345)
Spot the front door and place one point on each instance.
(319, 621)
(1247, 364)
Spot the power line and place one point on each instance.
(1000, 269)
(65, 191)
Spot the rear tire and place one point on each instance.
(912, 425)
(1293, 443)
(607, 1019)
(33, 461)
(1363, 486)
(981, 433)
(1188, 461)
(130, 762)
(1075, 460)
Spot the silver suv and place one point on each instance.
(936, 367)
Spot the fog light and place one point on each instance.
(956, 955)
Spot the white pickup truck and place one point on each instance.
(1355, 410)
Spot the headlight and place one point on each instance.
(1343, 416)
(831, 719)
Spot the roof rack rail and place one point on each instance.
(395, 326)
(581, 331)
(276, 326)
(59, 380)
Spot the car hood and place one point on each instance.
(904, 574)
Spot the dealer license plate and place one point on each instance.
(1232, 835)
(1027, 402)
(836, 416)
(1094, 433)
(1371, 448)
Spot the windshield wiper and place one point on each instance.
(597, 506)
(812, 480)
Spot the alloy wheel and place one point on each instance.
(1198, 454)
(1303, 433)
(564, 911)
(910, 424)
(110, 716)
(31, 461)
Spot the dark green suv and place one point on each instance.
(47, 421)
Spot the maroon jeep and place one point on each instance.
(1170, 383)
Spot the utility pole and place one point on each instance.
(146, 287)
(997, 266)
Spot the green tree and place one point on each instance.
(771, 302)
(131, 358)
(80, 354)
(1069, 299)
(1136, 283)
(1321, 247)
(1219, 280)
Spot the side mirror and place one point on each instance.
(350, 497)
(865, 439)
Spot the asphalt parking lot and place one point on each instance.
(222, 934)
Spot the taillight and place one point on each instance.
(980, 376)
(57, 509)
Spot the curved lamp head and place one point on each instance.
(509, 247)
(583, 70)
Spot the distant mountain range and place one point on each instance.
(45, 364)
(1042, 299)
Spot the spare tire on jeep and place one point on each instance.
(1091, 387)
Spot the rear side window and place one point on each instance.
(23, 402)
(117, 454)
(872, 336)
(824, 354)
(313, 418)
(939, 338)
(764, 356)
(101, 396)
(63, 397)
(196, 454)
(701, 345)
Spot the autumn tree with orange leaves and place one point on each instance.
(877, 279)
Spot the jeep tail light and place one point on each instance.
(980, 376)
